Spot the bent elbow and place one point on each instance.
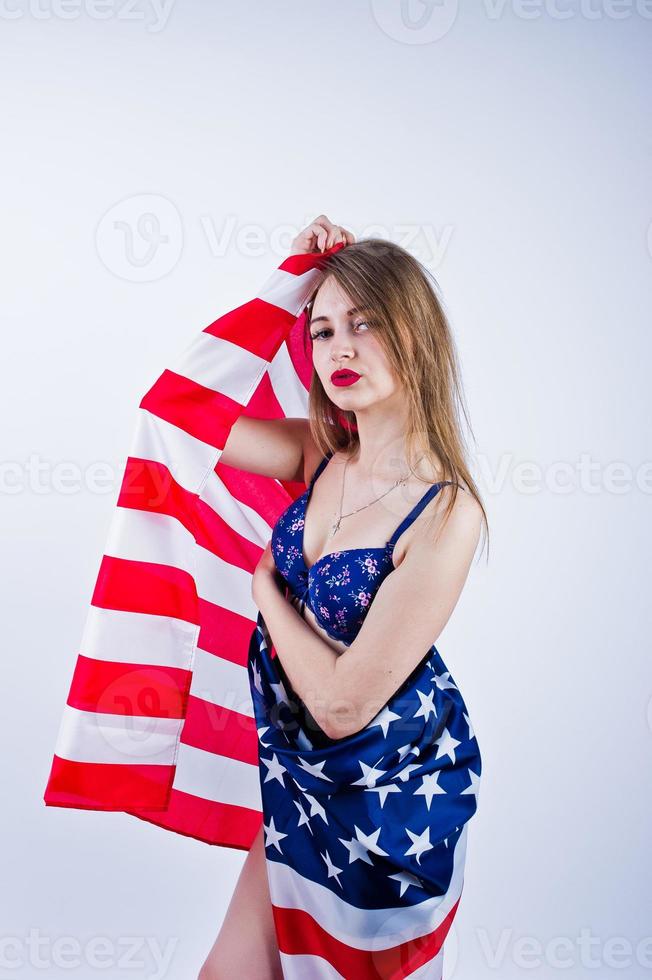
(340, 722)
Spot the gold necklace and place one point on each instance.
(336, 525)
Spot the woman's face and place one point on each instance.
(342, 339)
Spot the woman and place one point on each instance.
(365, 806)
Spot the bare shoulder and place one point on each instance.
(465, 512)
(437, 529)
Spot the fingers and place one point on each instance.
(328, 234)
(321, 235)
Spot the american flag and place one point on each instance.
(159, 719)
(177, 715)
(365, 840)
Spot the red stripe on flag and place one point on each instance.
(299, 934)
(108, 786)
(204, 413)
(305, 261)
(149, 486)
(266, 325)
(146, 587)
(225, 824)
(138, 690)
(299, 347)
(222, 730)
(213, 533)
(224, 633)
(266, 496)
(263, 403)
(145, 792)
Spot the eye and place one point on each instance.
(327, 330)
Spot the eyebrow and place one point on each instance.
(356, 309)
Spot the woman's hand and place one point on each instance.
(319, 236)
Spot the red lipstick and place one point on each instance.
(344, 377)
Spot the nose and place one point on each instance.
(341, 350)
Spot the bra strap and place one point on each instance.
(321, 466)
(416, 510)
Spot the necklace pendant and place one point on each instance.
(335, 526)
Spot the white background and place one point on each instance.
(509, 147)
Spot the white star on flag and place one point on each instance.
(280, 694)
(369, 775)
(406, 879)
(383, 791)
(315, 807)
(370, 841)
(427, 707)
(274, 767)
(261, 732)
(304, 818)
(273, 836)
(429, 787)
(257, 681)
(333, 872)
(405, 773)
(475, 784)
(383, 719)
(443, 683)
(406, 749)
(315, 769)
(357, 850)
(468, 722)
(446, 745)
(420, 843)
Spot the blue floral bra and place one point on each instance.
(339, 587)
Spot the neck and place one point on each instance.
(381, 454)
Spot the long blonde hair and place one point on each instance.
(408, 319)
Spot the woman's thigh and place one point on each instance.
(246, 943)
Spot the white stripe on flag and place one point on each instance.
(289, 291)
(306, 967)
(224, 367)
(140, 535)
(238, 516)
(217, 778)
(288, 389)
(221, 682)
(137, 638)
(224, 584)
(90, 736)
(188, 459)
